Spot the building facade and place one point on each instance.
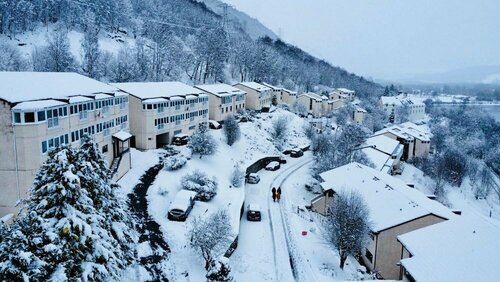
(402, 104)
(223, 100)
(258, 96)
(161, 110)
(40, 111)
(416, 139)
(313, 103)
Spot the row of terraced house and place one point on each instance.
(40, 111)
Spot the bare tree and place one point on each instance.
(211, 236)
(279, 131)
(348, 224)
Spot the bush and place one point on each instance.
(200, 183)
(174, 162)
(237, 176)
(231, 130)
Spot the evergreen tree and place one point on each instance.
(231, 130)
(202, 142)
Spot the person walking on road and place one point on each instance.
(278, 194)
(274, 194)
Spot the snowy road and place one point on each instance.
(265, 245)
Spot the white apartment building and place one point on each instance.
(40, 111)
(394, 105)
(223, 100)
(161, 110)
(343, 94)
(258, 96)
(416, 139)
(281, 95)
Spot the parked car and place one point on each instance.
(180, 139)
(253, 178)
(273, 166)
(253, 212)
(296, 153)
(244, 119)
(212, 124)
(182, 205)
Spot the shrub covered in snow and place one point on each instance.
(174, 162)
(219, 271)
(202, 142)
(231, 130)
(211, 236)
(200, 183)
(237, 176)
(279, 131)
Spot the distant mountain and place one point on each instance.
(475, 74)
(252, 26)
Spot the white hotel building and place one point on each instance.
(161, 110)
(39, 111)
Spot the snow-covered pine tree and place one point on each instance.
(231, 130)
(237, 176)
(219, 271)
(60, 232)
(202, 142)
(95, 177)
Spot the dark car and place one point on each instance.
(180, 140)
(253, 213)
(282, 160)
(244, 119)
(296, 153)
(252, 178)
(182, 205)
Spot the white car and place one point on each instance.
(181, 206)
(273, 166)
(253, 178)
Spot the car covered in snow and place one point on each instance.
(212, 124)
(296, 153)
(273, 166)
(182, 205)
(282, 160)
(180, 139)
(252, 178)
(254, 212)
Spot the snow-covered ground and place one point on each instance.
(459, 198)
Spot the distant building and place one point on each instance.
(358, 115)
(394, 208)
(385, 153)
(281, 95)
(223, 100)
(258, 96)
(40, 111)
(461, 249)
(416, 139)
(313, 103)
(161, 110)
(343, 94)
(393, 106)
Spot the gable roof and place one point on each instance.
(407, 130)
(461, 249)
(312, 96)
(254, 85)
(149, 90)
(18, 87)
(221, 89)
(390, 200)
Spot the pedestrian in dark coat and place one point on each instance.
(278, 194)
(274, 194)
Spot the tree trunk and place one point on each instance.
(343, 258)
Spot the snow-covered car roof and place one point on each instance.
(273, 164)
(254, 207)
(182, 200)
(214, 122)
(253, 175)
(180, 135)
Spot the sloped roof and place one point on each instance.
(166, 89)
(221, 89)
(312, 95)
(464, 248)
(390, 201)
(29, 86)
(254, 85)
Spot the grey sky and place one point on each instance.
(387, 39)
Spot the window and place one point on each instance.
(29, 117)
(369, 256)
(83, 114)
(44, 147)
(17, 117)
(105, 149)
(41, 116)
(149, 107)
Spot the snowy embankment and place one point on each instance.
(254, 144)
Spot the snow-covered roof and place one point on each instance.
(390, 200)
(272, 86)
(122, 135)
(155, 100)
(345, 90)
(359, 109)
(254, 207)
(221, 89)
(38, 105)
(461, 249)
(312, 96)
(28, 86)
(408, 130)
(182, 200)
(254, 85)
(378, 158)
(78, 99)
(399, 100)
(384, 144)
(148, 90)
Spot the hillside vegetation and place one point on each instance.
(156, 40)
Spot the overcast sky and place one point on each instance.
(387, 39)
